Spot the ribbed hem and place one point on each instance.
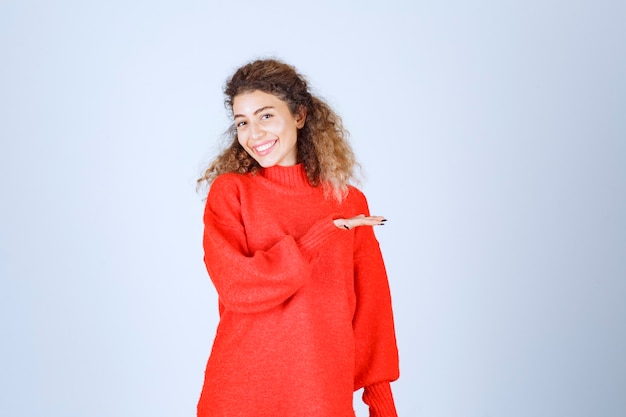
(290, 176)
(380, 400)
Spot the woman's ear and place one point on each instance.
(300, 117)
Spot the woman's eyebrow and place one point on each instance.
(257, 111)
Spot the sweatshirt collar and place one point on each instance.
(290, 176)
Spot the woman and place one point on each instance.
(305, 309)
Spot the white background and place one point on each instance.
(493, 138)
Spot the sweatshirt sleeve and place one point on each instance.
(380, 400)
(376, 360)
(253, 282)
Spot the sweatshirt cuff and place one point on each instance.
(380, 400)
(318, 235)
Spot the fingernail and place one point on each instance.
(383, 220)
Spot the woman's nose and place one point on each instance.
(256, 131)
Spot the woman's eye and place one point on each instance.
(266, 116)
(240, 124)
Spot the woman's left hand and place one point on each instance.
(360, 220)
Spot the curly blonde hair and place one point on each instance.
(322, 144)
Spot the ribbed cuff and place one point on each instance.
(321, 232)
(380, 400)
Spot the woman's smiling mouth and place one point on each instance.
(264, 148)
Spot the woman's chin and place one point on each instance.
(266, 163)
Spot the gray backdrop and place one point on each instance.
(492, 134)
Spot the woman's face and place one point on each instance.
(266, 128)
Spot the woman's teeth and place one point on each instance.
(265, 147)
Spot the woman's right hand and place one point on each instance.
(360, 220)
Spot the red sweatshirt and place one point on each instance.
(305, 309)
